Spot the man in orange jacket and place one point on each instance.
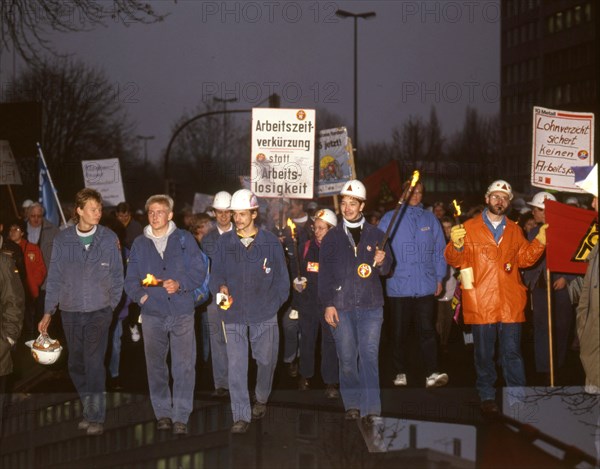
(489, 250)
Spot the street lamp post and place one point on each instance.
(355, 16)
(224, 101)
(145, 138)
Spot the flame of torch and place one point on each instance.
(414, 179)
(292, 226)
(457, 212)
(150, 280)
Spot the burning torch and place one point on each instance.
(457, 212)
(299, 282)
(403, 198)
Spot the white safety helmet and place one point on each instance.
(27, 203)
(45, 350)
(356, 189)
(539, 198)
(327, 216)
(500, 186)
(574, 201)
(243, 199)
(222, 200)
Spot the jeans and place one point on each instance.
(218, 347)
(357, 343)
(423, 311)
(310, 322)
(115, 351)
(87, 339)
(264, 342)
(175, 333)
(484, 340)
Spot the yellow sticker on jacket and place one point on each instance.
(312, 267)
(364, 270)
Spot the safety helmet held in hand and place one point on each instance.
(45, 350)
(243, 199)
(539, 198)
(500, 186)
(327, 216)
(356, 189)
(222, 200)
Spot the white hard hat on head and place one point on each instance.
(572, 201)
(222, 200)
(500, 186)
(27, 203)
(356, 189)
(243, 199)
(327, 216)
(539, 198)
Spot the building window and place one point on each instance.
(577, 15)
(587, 11)
(559, 21)
(550, 25)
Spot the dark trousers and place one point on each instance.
(422, 312)
(87, 339)
(310, 322)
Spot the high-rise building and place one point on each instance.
(550, 57)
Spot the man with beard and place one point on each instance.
(490, 249)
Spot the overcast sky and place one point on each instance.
(411, 56)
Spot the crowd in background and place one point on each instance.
(420, 291)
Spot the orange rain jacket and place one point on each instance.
(498, 294)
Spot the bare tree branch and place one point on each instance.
(26, 24)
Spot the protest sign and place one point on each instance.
(336, 165)
(561, 140)
(283, 153)
(105, 177)
(9, 172)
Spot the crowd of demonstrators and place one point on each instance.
(417, 243)
(350, 265)
(338, 277)
(86, 279)
(173, 257)
(249, 269)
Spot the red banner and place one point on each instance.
(571, 235)
(384, 186)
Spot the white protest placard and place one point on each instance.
(561, 140)
(105, 177)
(9, 172)
(283, 154)
(336, 165)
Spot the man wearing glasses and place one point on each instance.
(489, 250)
(418, 242)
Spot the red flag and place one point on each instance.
(572, 233)
(384, 186)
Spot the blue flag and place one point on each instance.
(47, 197)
